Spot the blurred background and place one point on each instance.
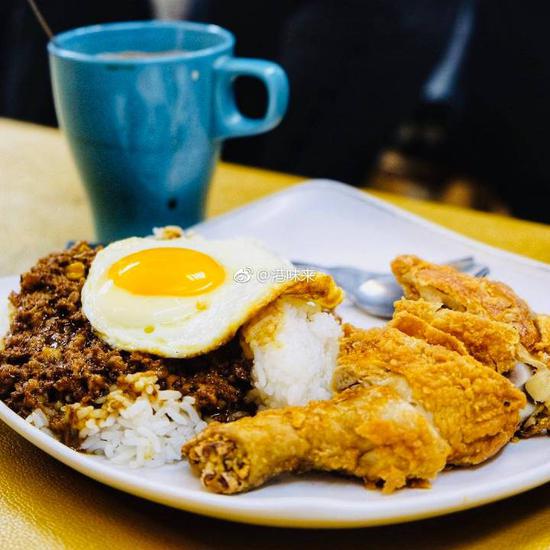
(447, 101)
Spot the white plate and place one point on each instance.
(327, 222)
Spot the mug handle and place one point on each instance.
(229, 121)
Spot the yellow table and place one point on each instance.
(44, 504)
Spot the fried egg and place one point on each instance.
(180, 297)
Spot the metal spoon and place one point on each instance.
(375, 293)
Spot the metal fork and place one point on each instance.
(375, 293)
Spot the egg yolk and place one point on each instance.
(167, 272)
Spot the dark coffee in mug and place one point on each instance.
(136, 54)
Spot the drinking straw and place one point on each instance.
(41, 19)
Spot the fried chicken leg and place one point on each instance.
(366, 432)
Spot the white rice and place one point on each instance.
(137, 424)
(295, 346)
(39, 420)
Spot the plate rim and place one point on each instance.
(254, 510)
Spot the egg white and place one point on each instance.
(183, 326)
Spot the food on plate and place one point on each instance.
(176, 298)
(493, 343)
(475, 409)
(86, 318)
(538, 388)
(136, 423)
(293, 344)
(218, 349)
(366, 432)
(542, 347)
(452, 294)
(52, 357)
(458, 291)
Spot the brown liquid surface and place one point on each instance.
(137, 54)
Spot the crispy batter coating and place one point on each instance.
(543, 324)
(475, 409)
(320, 288)
(444, 285)
(419, 328)
(542, 347)
(482, 314)
(493, 343)
(367, 432)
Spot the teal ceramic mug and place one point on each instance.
(145, 107)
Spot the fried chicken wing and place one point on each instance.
(367, 432)
(493, 343)
(446, 286)
(475, 409)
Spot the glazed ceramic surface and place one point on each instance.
(145, 107)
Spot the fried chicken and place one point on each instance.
(493, 343)
(366, 432)
(542, 347)
(425, 391)
(446, 286)
(479, 300)
(475, 409)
